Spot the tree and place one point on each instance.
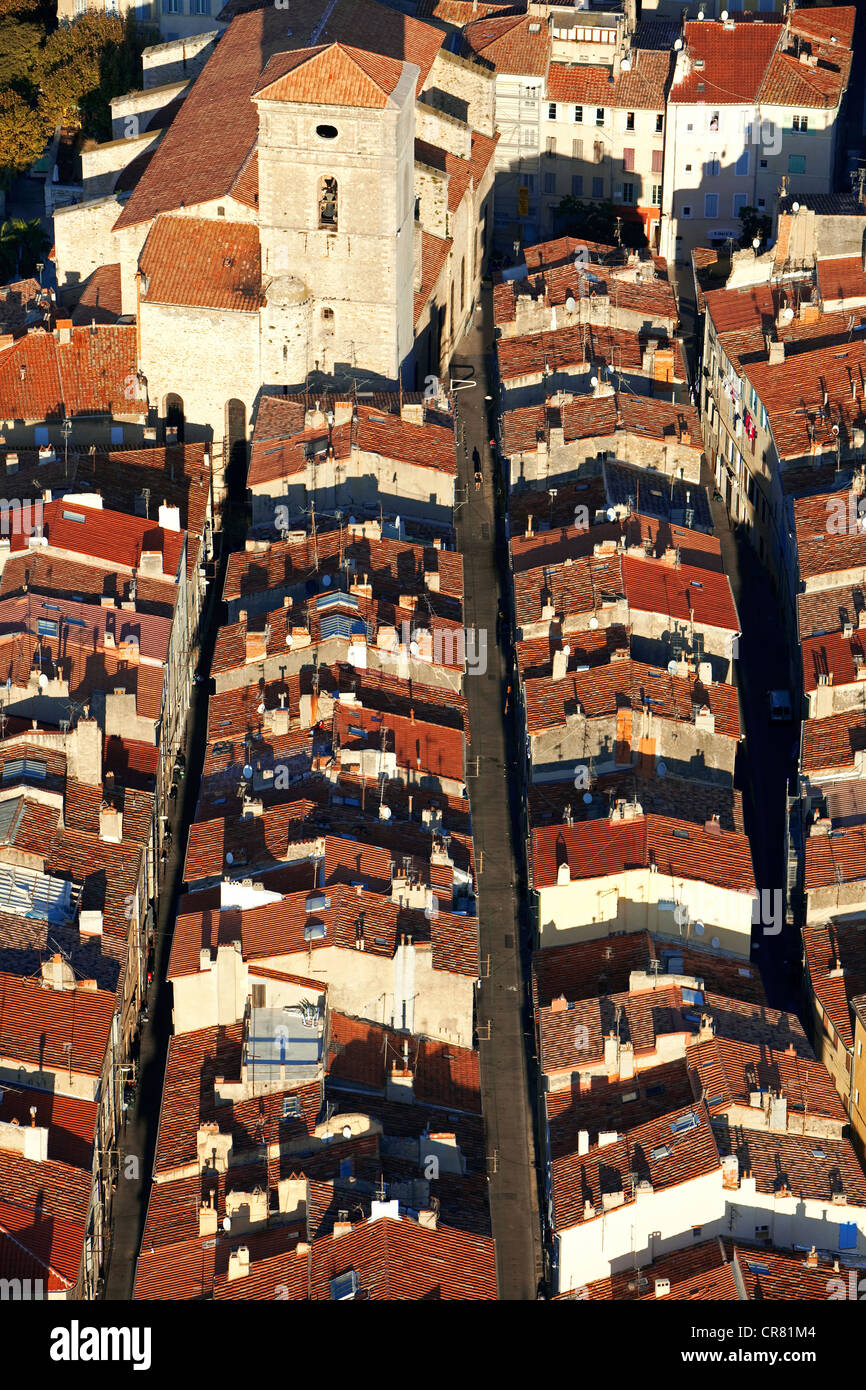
(754, 224)
(83, 65)
(32, 241)
(22, 135)
(20, 53)
(597, 221)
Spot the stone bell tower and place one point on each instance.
(336, 213)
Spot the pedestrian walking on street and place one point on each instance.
(507, 697)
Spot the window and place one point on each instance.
(46, 627)
(171, 6)
(23, 767)
(628, 161)
(327, 132)
(628, 193)
(463, 279)
(598, 188)
(117, 434)
(801, 122)
(763, 164)
(328, 203)
(742, 165)
(599, 115)
(796, 164)
(577, 149)
(550, 183)
(762, 202)
(739, 202)
(551, 110)
(657, 195)
(40, 436)
(657, 162)
(551, 144)
(200, 7)
(629, 120)
(714, 121)
(578, 114)
(529, 182)
(529, 136)
(697, 1232)
(687, 211)
(711, 205)
(688, 168)
(713, 167)
(762, 1233)
(660, 124)
(258, 993)
(291, 1107)
(577, 185)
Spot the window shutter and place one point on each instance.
(628, 161)
(658, 160)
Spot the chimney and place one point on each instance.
(559, 1005)
(342, 1228)
(64, 330)
(776, 354)
(560, 663)
(239, 1263)
(812, 1259)
(429, 1219)
(110, 825)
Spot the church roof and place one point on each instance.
(334, 75)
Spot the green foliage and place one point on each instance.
(63, 78)
(22, 246)
(597, 221)
(754, 224)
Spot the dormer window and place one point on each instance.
(328, 203)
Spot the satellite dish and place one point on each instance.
(248, 772)
(384, 812)
(593, 622)
(566, 651)
(352, 521)
(593, 381)
(625, 65)
(289, 639)
(413, 647)
(724, 16)
(716, 943)
(611, 514)
(43, 679)
(787, 314)
(699, 928)
(347, 1131)
(260, 709)
(672, 668)
(700, 14)
(230, 859)
(227, 1223)
(326, 581)
(795, 207)
(661, 770)
(587, 798)
(678, 43)
(835, 429)
(570, 304)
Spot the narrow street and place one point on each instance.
(494, 791)
(138, 1139)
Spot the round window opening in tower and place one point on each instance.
(327, 132)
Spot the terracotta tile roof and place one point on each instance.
(735, 61)
(100, 300)
(331, 75)
(393, 567)
(432, 749)
(203, 263)
(434, 250)
(831, 744)
(727, 1072)
(393, 1259)
(587, 345)
(55, 1239)
(112, 537)
(841, 278)
(588, 968)
(672, 796)
(89, 375)
(581, 587)
(683, 594)
(793, 396)
(588, 417)
(653, 1151)
(200, 159)
(778, 1160)
(20, 306)
(556, 545)
(698, 1272)
(459, 171)
(594, 849)
(642, 87)
(444, 1075)
(71, 1122)
(591, 648)
(828, 610)
(839, 857)
(790, 82)
(776, 1275)
(560, 250)
(829, 946)
(835, 655)
(36, 1022)
(510, 44)
(611, 1104)
(603, 690)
